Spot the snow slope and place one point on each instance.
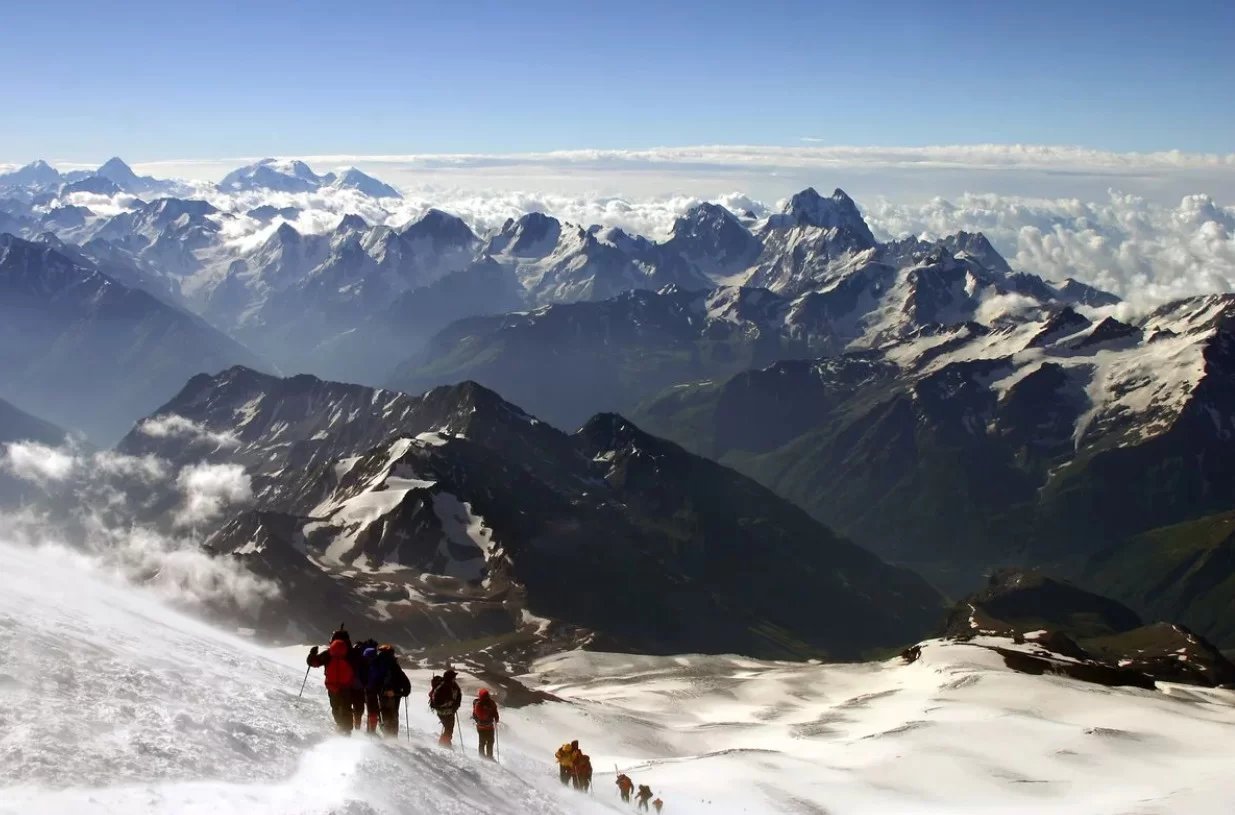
(113, 703)
(954, 732)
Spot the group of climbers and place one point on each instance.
(574, 767)
(362, 676)
(626, 787)
(445, 699)
(366, 675)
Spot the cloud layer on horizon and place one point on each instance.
(1147, 226)
(1145, 251)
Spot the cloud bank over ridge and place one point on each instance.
(1147, 226)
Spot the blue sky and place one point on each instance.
(159, 80)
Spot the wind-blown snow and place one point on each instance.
(115, 704)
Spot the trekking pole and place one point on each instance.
(407, 718)
(497, 739)
(305, 682)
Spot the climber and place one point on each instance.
(446, 698)
(583, 772)
(484, 714)
(342, 678)
(625, 786)
(566, 755)
(387, 685)
(645, 795)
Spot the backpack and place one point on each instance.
(484, 711)
(340, 675)
(442, 697)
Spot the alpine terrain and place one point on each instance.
(774, 509)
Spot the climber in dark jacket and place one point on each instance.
(386, 685)
(446, 698)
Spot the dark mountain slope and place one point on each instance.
(460, 506)
(89, 353)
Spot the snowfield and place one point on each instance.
(112, 703)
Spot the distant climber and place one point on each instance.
(583, 772)
(645, 795)
(387, 685)
(446, 698)
(657, 804)
(342, 679)
(625, 786)
(485, 715)
(566, 755)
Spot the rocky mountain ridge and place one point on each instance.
(458, 509)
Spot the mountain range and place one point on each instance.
(921, 396)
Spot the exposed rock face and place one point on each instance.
(1054, 627)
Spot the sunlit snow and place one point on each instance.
(115, 704)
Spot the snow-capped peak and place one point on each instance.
(440, 226)
(838, 211)
(353, 179)
(352, 222)
(975, 245)
(117, 171)
(279, 175)
(533, 235)
(37, 173)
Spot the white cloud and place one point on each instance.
(1145, 252)
(31, 461)
(181, 572)
(174, 568)
(209, 489)
(147, 469)
(93, 523)
(1004, 305)
(907, 174)
(172, 426)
